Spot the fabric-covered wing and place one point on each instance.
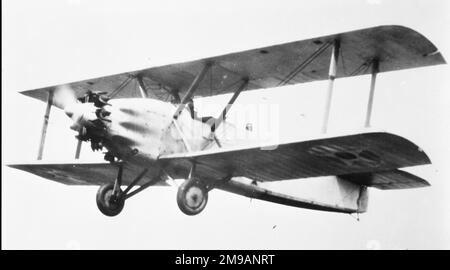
(395, 179)
(84, 173)
(396, 48)
(359, 153)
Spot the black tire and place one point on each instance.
(105, 204)
(192, 197)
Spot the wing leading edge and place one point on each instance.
(395, 47)
(96, 173)
(343, 155)
(369, 159)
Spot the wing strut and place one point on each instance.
(331, 77)
(230, 103)
(141, 86)
(183, 138)
(375, 65)
(217, 121)
(78, 150)
(45, 124)
(195, 83)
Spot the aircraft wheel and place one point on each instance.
(192, 197)
(106, 203)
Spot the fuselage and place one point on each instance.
(141, 130)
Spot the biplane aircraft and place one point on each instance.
(148, 140)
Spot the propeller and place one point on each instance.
(83, 111)
(64, 96)
(88, 114)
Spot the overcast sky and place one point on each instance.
(52, 42)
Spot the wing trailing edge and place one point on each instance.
(388, 180)
(321, 156)
(394, 47)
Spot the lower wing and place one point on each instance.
(359, 160)
(97, 173)
(344, 155)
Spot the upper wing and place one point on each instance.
(84, 173)
(395, 47)
(359, 153)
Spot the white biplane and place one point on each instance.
(148, 140)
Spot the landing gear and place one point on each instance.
(192, 197)
(111, 198)
(108, 203)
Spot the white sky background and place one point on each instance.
(52, 42)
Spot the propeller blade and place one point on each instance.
(64, 96)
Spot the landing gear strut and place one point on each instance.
(192, 195)
(111, 198)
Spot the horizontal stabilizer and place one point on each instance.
(395, 179)
(84, 173)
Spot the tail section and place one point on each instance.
(395, 179)
(329, 193)
(344, 194)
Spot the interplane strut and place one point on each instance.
(331, 76)
(375, 66)
(190, 92)
(45, 124)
